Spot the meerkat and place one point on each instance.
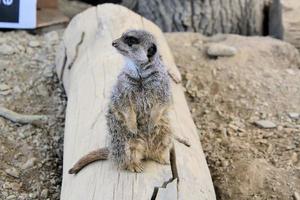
(137, 117)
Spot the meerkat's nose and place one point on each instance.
(114, 44)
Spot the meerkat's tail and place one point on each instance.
(99, 154)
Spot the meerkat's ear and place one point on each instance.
(151, 51)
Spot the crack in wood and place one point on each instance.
(173, 178)
(76, 50)
(64, 64)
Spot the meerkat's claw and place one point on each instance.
(136, 167)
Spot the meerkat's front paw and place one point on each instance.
(135, 167)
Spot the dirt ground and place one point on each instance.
(227, 95)
(30, 157)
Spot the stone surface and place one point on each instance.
(294, 115)
(216, 50)
(44, 193)
(29, 163)
(4, 87)
(265, 124)
(13, 172)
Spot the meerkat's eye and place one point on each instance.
(130, 40)
(151, 51)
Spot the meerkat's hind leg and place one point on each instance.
(162, 157)
(134, 155)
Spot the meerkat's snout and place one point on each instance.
(114, 43)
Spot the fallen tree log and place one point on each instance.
(88, 66)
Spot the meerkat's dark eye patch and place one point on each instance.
(130, 40)
(151, 51)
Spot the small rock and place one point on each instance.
(225, 163)
(198, 43)
(10, 197)
(34, 44)
(16, 186)
(265, 124)
(294, 157)
(280, 128)
(231, 87)
(294, 115)
(4, 87)
(33, 195)
(290, 71)
(44, 193)
(189, 76)
(42, 90)
(17, 89)
(13, 172)
(29, 163)
(48, 72)
(4, 93)
(6, 50)
(216, 50)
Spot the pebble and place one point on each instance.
(48, 72)
(4, 93)
(4, 87)
(216, 50)
(44, 193)
(198, 43)
(294, 115)
(6, 50)
(29, 163)
(16, 186)
(42, 90)
(10, 197)
(13, 172)
(290, 71)
(265, 124)
(294, 157)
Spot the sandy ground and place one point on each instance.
(227, 95)
(31, 157)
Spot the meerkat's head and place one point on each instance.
(137, 45)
